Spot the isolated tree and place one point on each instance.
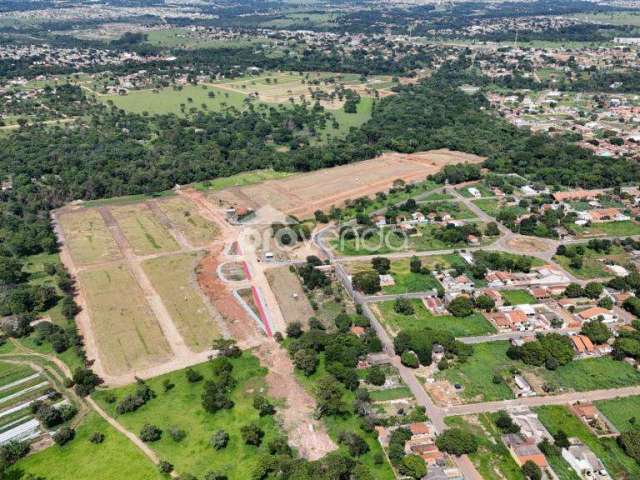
(367, 282)
(150, 433)
(457, 442)
(381, 264)
(413, 466)
(219, 440)
(252, 434)
(403, 306)
(531, 471)
(461, 306)
(306, 360)
(485, 302)
(375, 376)
(593, 290)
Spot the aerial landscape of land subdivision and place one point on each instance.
(320, 239)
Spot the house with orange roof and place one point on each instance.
(594, 313)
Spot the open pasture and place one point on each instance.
(88, 238)
(194, 319)
(303, 194)
(126, 331)
(184, 217)
(169, 100)
(143, 230)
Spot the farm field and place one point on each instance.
(179, 291)
(293, 302)
(88, 238)
(617, 463)
(180, 407)
(184, 216)
(518, 297)
(127, 333)
(143, 230)
(168, 100)
(80, 459)
(303, 194)
(472, 325)
(622, 412)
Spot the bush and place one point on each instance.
(96, 437)
(219, 440)
(193, 376)
(165, 467)
(531, 471)
(403, 306)
(64, 435)
(263, 406)
(177, 434)
(252, 434)
(150, 433)
(294, 330)
(375, 376)
(410, 359)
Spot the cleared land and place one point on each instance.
(127, 333)
(194, 319)
(88, 238)
(183, 215)
(293, 302)
(472, 325)
(116, 457)
(622, 412)
(145, 233)
(303, 194)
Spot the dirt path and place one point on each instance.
(306, 434)
(171, 228)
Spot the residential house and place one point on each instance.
(595, 313)
(523, 450)
(584, 462)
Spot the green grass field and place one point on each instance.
(489, 359)
(518, 297)
(623, 229)
(181, 407)
(390, 394)
(617, 463)
(473, 325)
(168, 100)
(622, 412)
(80, 459)
(407, 281)
(346, 121)
(183, 38)
(241, 179)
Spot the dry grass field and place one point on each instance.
(127, 332)
(141, 227)
(88, 238)
(294, 305)
(183, 215)
(193, 318)
(303, 194)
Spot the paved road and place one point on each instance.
(562, 399)
(508, 336)
(386, 298)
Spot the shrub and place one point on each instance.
(64, 435)
(165, 467)
(177, 434)
(150, 433)
(410, 359)
(96, 437)
(252, 434)
(294, 330)
(263, 406)
(219, 440)
(375, 376)
(403, 306)
(193, 376)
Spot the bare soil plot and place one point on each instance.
(143, 230)
(88, 238)
(286, 286)
(196, 321)
(303, 194)
(127, 333)
(234, 271)
(184, 216)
